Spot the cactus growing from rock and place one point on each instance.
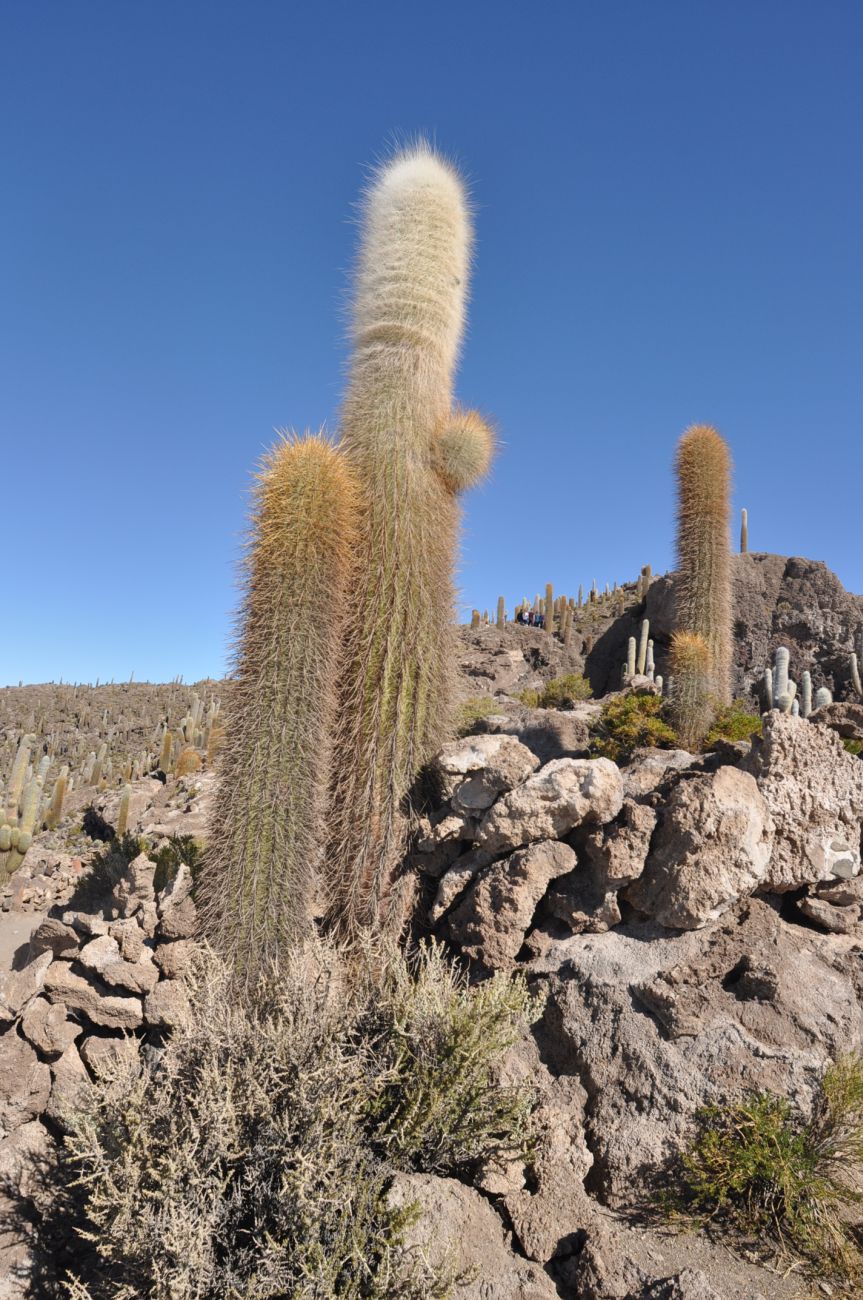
(806, 694)
(692, 708)
(641, 664)
(501, 612)
(259, 880)
(548, 610)
(399, 434)
(823, 697)
(703, 592)
(744, 532)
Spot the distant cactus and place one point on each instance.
(692, 704)
(501, 612)
(123, 812)
(630, 657)
(704, 559)
(641, 663)
(548, 624)
(767, 690)
(188, 761)
(744, 532)
(55, 809)
(259, 880)
(806, 694)
(474, 619)
(823, 697)
(166, 752)
(396, 697)
(855, 675)
(781, 661)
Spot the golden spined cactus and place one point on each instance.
(189, 761)
(260, 878)
(703, 592)
(463, 450)
(692, 701)
(410, 451)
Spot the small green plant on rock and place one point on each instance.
(630, 722)
(734, 722)
(559, 693)
(852, 746)
(759, 1168)
(473, 711)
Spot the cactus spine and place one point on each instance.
(704, 556)
(398, 430)
(260, 875)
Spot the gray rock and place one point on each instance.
(136, 887)
(712, 847)
(19, 987)
(492, 919)
(454, 881)
(655, 1028)
(55, 937)
(70, 1085)
(478, 769)
(459, 1226)
(24, 1082)
(814, 793)
(178, 922)
(85, 995)
(617, 852)
(836, 920)
(48, 1028)
(174, 959)
(167, 1007)
(561, 795)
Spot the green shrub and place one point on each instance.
(852, 746)
(472, 711)
(559, 693)
(734, 722)
(759, 1168)
(176, 849)
(254, 1158)
(630, 722)
(439, 1107)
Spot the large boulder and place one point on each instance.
(25, 1082)
(813, 790)
(476, 770)
(548, 733)
(561, 795)
(656, 1026)
(712, 847)
(459, 1228)
(491, 921)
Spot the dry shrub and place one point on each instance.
(253, 1160)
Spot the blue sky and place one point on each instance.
(668, 207)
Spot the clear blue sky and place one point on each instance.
(669, 206)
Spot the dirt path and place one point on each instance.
(15, 931)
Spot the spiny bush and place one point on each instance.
(472, 711)
(559, 693)
(630, 722)
(761, 1169)
(254, 1158)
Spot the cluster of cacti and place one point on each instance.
(703, 592)
(640, 658)
(779, 690)
(92, 738)
(342, 687)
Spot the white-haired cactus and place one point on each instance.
(744, 532)
(823, 697)
(781, 660)
(855, 676)
(630, 657)
(396, 693)
(805, 694)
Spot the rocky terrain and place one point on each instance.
(692, 922)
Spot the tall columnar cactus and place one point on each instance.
(744, 532)
(548, 624)
(692, 707)
(501, 612)
(806, 694)
(260, 879)
(781, 664)
(643, 636)
(402, 438)
(703, 550)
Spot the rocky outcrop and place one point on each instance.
(562, 795)
(712, 847)
(458, 1227)
(813, 790)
